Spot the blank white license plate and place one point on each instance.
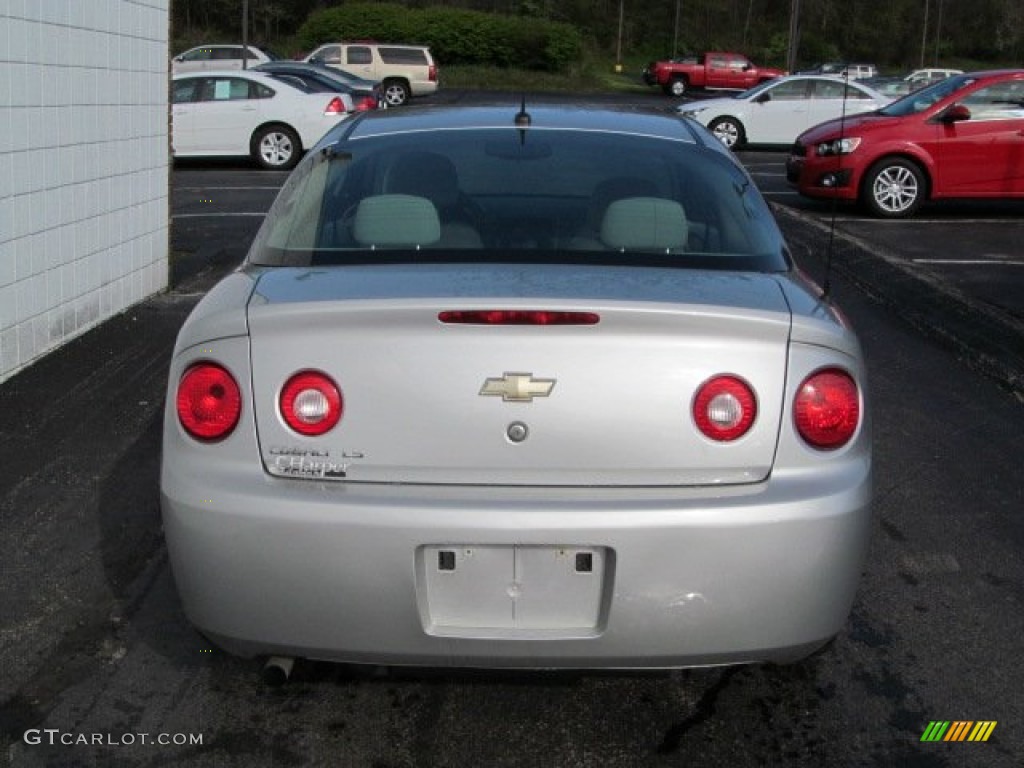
(513, 587)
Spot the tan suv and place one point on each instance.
(403, 70)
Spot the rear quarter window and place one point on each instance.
(403, 56)
(261, 91)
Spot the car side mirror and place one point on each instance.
(761, 98)
(956, 114)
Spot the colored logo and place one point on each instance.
(958, 730)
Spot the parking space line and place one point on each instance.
(215, 186)
(261, 214)
(972, 262)
(918, 220)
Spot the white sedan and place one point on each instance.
(777, 111)
(218, 58)
(250, 114)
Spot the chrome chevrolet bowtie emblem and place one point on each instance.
(518, 387)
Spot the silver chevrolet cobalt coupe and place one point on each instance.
(517, 387)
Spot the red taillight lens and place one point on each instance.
(209, 402)
(311, 403)
(517, 317)
(366, 103)
(827, 409)
(432, 73)
(725, 408)
(335, 107)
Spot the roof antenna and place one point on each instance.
(826, 283)
(522, 121)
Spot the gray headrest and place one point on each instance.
(644, 224)
(396, 221)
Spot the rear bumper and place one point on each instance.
(686, 577)
(424, 87)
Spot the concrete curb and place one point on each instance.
(986, 337)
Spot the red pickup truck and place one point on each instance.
(711, 71)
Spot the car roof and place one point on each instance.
(250, 46)
(863, 85)
(830, 76)
(293, 64)
(259, 77)
(307, 67)
(988, 75)
(304, 66)
(373, 43)
(251, 72)
(997, 73)
(610, 119)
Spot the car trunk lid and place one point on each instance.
(427, 401)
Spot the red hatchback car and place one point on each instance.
(962, 137)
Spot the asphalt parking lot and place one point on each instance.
(967, 247)
(94, 640)
(955, 271)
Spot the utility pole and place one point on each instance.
(924, 33)
(618, 44)
(245, 34)
(794, 35)
(675, 32)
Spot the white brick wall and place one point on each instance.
(83, 167)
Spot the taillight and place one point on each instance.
(432, 73)
(827, 409)
(517, 317)
(335, 107)
(725, 408)
(311, 403)
(209, 402)
(366, 103)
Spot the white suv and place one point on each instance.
(860, 71)
(217, 57)
(919, 78)
(403, 70)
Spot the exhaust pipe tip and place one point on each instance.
(277, 670)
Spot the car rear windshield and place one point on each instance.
(521, 195)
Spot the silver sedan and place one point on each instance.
(518, 387)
